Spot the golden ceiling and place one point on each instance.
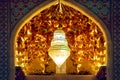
(85, 39)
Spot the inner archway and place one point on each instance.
(86, 37)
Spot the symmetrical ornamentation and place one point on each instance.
(84, 37)
(30, 4)
(59, 50)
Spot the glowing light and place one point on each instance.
(86, 42)
(99, 65)
(28, 32)
(59, 50)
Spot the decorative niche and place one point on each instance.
(86, 40)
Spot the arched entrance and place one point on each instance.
(96, 22)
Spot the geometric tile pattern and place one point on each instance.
(116, 39)
(4, 41)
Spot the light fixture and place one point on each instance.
(59, 50)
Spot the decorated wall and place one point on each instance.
(12, 11)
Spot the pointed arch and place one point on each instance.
(76, 6)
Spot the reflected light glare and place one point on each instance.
(99, 65)
(28, 32)
(59, 56)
